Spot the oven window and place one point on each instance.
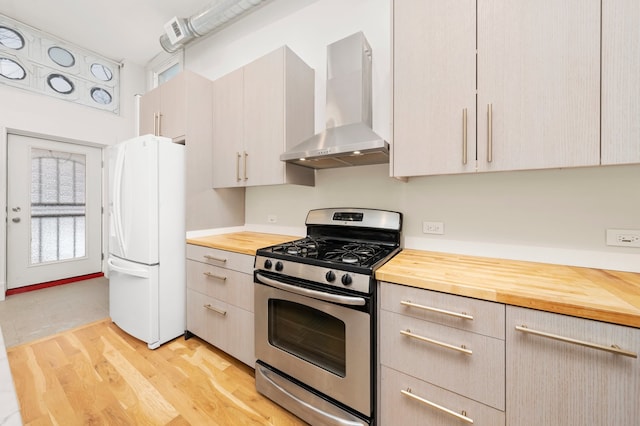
(309, 334)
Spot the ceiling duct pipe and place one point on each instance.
(180, 31)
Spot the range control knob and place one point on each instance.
(346, 279)
(279, 266)
(268, 264)
(330, 276)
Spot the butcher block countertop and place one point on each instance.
(241, 242)
(603, 295)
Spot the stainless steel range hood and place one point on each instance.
(348, 139)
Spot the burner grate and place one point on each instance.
(353, 253)
(303, 248)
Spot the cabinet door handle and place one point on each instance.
(159, 124)
(464, 136)
(238, 166)
(440, 311)
(245, 165)
(218, 277)
(216, 259)
(489, 133)
(615, 349)
(411, 395)
(462, 348)
(155, 124)
(216, 310)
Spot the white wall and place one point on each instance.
(548, 215)
(29, 112)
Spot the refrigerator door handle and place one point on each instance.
(117, 194)
(136, 272)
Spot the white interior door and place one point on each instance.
(53, 209)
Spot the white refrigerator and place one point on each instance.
(147, 238)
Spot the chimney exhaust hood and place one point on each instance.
(348, 139)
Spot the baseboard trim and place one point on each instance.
(54, 283)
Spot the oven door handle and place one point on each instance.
(327, 297)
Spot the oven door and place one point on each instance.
(325, 345)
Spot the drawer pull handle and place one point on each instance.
(615, 349)
(219, 277)
(214, 309)
(462, 416)
(216, 259)
(440, 311)
(462, 348)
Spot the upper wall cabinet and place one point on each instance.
(181, 109)
(538, 85)
(620, 81)
(259, 111)
(434, 73)
(163, 109)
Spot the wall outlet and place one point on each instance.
(623, 237)
(433, 227)
(272, 218)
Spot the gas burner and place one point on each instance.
(304, 248)
(350, 258)
(353, 253)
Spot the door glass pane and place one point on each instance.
(308, 333)
(58, 182)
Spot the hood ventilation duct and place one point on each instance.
(348, 139)
(180, 31)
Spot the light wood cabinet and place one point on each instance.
(426, 345)
(553, 382)
(220, 300)
(164, 110)
(537, 85)
(539, 72)
(620, 83)
(228, 131)
(259, 111)
(181, 109)
(434, 83)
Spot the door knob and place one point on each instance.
(15, 219)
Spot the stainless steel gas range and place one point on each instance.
(315, 321)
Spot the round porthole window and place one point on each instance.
(60, 83)
(11, 69)
(61, 56)
(101, 72)
(11, 38)
(101, 96)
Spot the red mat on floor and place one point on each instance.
(52, 283)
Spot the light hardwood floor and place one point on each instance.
(99, 375)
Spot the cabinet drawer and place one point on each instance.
(479, 375)
(487, 317)
(400, 409)
(224, 284)
(225, 259)
(225, 326)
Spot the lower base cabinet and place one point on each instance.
(557, 381)
(410, 401)
(220, 300)
(547, 368)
